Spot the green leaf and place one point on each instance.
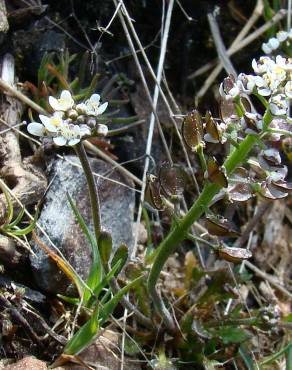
(105, 245)
(26, 230)
(231, 335)
(108, 308)
(87, 333)
(121, 254)
(247, 359)
(82, 69)
(97, 290)
(18, 218)
(289, 358)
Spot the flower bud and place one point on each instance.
(101, 130)
(72, 114)
(91, 122)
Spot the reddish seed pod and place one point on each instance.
(234, 255)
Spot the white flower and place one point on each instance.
(64, 103)
(246, 83)
(266, 48)
(284, 63)
(290, 33)
(262, 86)
(263, 65)
(92, 106)
(273, 43)
(52, 123)
(228, 88)
(278, 105)
(282, 36)
(70, 134)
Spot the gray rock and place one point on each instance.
(57, 218)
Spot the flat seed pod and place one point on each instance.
(152, 193)
(220, 227)
(171, 179)
(271, 192)
(240, 174)
(282, 186)
(245, 102)
(272, 156)
(192, 129)
(235, 255)
(228, 112)
(213, 132)
(240, 193)
(216, 173)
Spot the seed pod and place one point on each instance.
(152, 193)
(228, 112)
(213, 131)
(192, 130)
(216, 173)
(220, 227)
(235, 255)
(240, 192)
(171, 179)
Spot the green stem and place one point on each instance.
(93, 194)
(178, 233)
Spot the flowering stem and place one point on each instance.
(93, 194)
(179, 232)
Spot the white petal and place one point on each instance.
(266, 48)
(54, 103)
(273, 43)
(60, 140)
(81, 108)
(73, 142)
(66, 95)
(264, 91)
(35, 128)
(102, 108)
(47, 123)
(282, 36)
(259, 81)
(95, 98)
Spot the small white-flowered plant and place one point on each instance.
(275, 42)
(70, 123)
(272, 80)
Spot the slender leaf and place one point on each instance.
(26, 230)
(246, 358)
(87, 333)
(121, 254)
(108, 308)
(18, 218)
(105, 245)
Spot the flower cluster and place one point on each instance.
(69, 122)
(272, 79)
(274, 42)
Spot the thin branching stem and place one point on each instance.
(179, 232)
